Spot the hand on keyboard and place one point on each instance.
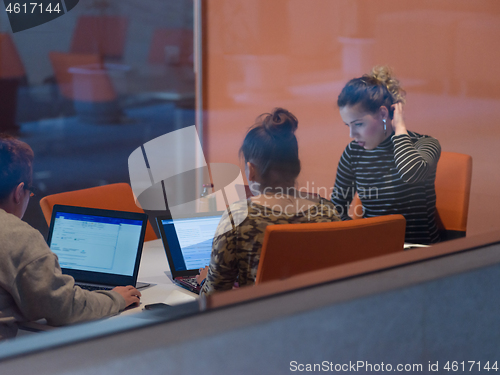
(94, 287)
(203, 275)
(130, 294)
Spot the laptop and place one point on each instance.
(101, 249)
(188, 245)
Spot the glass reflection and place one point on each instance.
(86, 89)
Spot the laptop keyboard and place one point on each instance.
(95, 287)
(190, 282)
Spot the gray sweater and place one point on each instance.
(32, 286)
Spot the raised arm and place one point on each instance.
(345, 187)
(414, 161)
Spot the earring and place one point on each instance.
(385, 126)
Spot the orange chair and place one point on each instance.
(93, 85)
(12, 74)
(11, 65)
(453, 180)
(102, 35)
(292, 249)
(117, 197)
(356, 208)
(84, 79)
(181, 40)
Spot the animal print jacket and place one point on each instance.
(236, 249)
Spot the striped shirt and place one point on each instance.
(397, 177)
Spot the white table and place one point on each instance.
(153, 269)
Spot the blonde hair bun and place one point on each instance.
(384, 75)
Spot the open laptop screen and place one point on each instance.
(98, 246)
(190, 240)
(91, 243)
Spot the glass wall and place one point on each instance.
(299, 54)
(92, 85)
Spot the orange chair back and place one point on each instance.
(179, 38)
(117, 197)
(102, 35)
(82, 77)
(453, 181)
(11, 65)
(356, 208)
(292, 249)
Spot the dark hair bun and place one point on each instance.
(280, 122)
(272, 147)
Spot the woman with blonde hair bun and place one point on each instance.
(391, 168)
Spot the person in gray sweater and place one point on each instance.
(32, 286)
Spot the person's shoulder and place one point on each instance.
(12, 226)
(243, 218)
(235, 214)
(414, 136)
(241, 205)
(239, 210)
(422, 140)
(19, 239)
(325, 211)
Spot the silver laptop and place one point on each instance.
(101, 249)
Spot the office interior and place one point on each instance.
(219, 64)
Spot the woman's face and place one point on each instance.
(365, 128)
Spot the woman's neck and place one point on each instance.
(278, 190)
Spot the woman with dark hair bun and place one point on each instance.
(270, 149)
(271, 154)
(392, 169)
